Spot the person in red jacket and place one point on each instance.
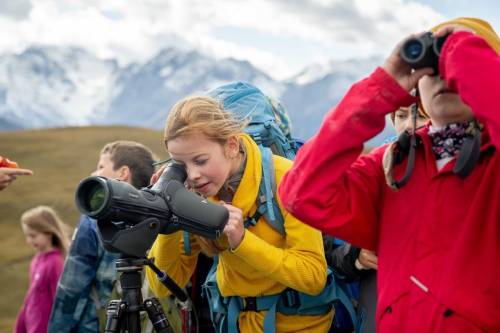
(437, 237)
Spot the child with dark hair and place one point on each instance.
(89, 272)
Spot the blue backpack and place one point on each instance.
(343, 322)
(269, 126)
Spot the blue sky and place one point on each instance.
(279, 36)
(485, 9)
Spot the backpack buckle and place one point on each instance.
(291, 298)
(251, 221)
(250, 304)
(257, 138)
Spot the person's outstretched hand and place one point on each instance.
(8, 175)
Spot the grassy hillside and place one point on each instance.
(60, 158)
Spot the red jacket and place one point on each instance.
(438, 238)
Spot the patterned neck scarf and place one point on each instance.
(447, 141)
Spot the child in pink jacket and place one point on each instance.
(46, 233)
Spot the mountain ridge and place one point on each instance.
(67, 86)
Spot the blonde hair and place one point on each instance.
(45, 219)
(201, 114)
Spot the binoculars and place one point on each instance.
(423, 51)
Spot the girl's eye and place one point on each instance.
(200, 162)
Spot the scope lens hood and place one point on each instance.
(93, 196)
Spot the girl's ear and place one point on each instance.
(232, 146)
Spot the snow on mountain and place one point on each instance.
(317, 89)
(145, 93)
(50, 86)
(346, 69)
(55, 86)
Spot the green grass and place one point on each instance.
(60, 158)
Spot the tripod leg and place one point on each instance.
(130, 281)
(114, 313)
(157, 316)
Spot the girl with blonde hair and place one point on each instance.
(48, 235)
(224, 164)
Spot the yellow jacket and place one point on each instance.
(265, 262)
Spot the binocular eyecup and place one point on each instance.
(423, 51)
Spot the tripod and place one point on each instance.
(124, 315)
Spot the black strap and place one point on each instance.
(469, 152)
(403, 148)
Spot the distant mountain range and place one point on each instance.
(60, 86)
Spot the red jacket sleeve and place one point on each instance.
(472, 68)
(330, 186)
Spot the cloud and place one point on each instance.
(299, 31)
(15, 9)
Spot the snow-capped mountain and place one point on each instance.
(144, 93)
(314, 91)
(51, 86)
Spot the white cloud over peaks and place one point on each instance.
(15, 9)
(279, 36)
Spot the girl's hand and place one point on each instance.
(234, 229)
(368, 259)
(156, 175)
(401, 71)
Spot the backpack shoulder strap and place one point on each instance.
(187, 243)
(342, 295)
(267, 203)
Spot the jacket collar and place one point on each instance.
(430, 160)
(247, 191)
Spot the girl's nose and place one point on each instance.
(193, 174)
